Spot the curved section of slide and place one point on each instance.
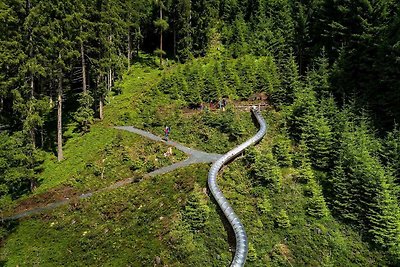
(240, 233)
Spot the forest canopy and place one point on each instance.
(331, 67)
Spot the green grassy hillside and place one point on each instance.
(171, 220)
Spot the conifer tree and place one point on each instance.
(316, 205)
(196, 210)
(391, 152)
(281, 150)
(285, 94)
(282, 219)
(184, 30)
(317, 135)
(266, 170)
(162, 25)
(303, 107)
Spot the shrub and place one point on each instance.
(282, 219)
(196, 211)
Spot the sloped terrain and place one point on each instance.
(170, 219)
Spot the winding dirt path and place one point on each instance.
(195, 157)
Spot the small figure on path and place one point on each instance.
(220, 105)
(167, 130)
(224, 103)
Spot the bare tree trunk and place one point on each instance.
(109, 79)
(32, 86)
(174, 40)
(161, 38)
(33, 185)
(138, 43)
(32, 132)
(31, 78)
(60, 155)
(42, 137)
(101, 99)
(109, 74)
(84, 84)
(1, 104)
(129, 47)
(101, 106)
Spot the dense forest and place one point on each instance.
(331, 68)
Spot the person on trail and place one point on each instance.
(220, 106)
(167, 130)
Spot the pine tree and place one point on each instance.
(266, 170)
(84, 115)
(319, 76)
(391, 152)
(20, 164)
(285, 94)
(317, 135)
(162, 25)
(196, 210)
(204, 14)
(385, 218)
(316, 205)
(303, 107)
(281, 151)
(184, 31)
(282, 219)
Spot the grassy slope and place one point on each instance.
(132, 226)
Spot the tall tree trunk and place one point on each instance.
(109, 74)
(129, 47)
(174, 40)
(32, 132)
(32, 86)
(101, 100)
(161, 37)
(42, 137)
(101, 106)
(109, 79)
(138, 43)
(60, 155)
(83, 62)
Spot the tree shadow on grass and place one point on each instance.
(146, 60)
(227, 226)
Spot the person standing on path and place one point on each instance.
(167, 130)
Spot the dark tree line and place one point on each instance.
(331, 66)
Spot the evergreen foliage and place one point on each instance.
(84, 114)
(266, 170)
(282, 219)
(330, 68)
(196, 210)
(20, 164)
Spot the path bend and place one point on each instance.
(240, 233)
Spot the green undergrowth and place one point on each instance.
(103, 156)
(172, 220)
(150, 109)
(145, 220)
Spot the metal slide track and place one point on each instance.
(240, 234)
